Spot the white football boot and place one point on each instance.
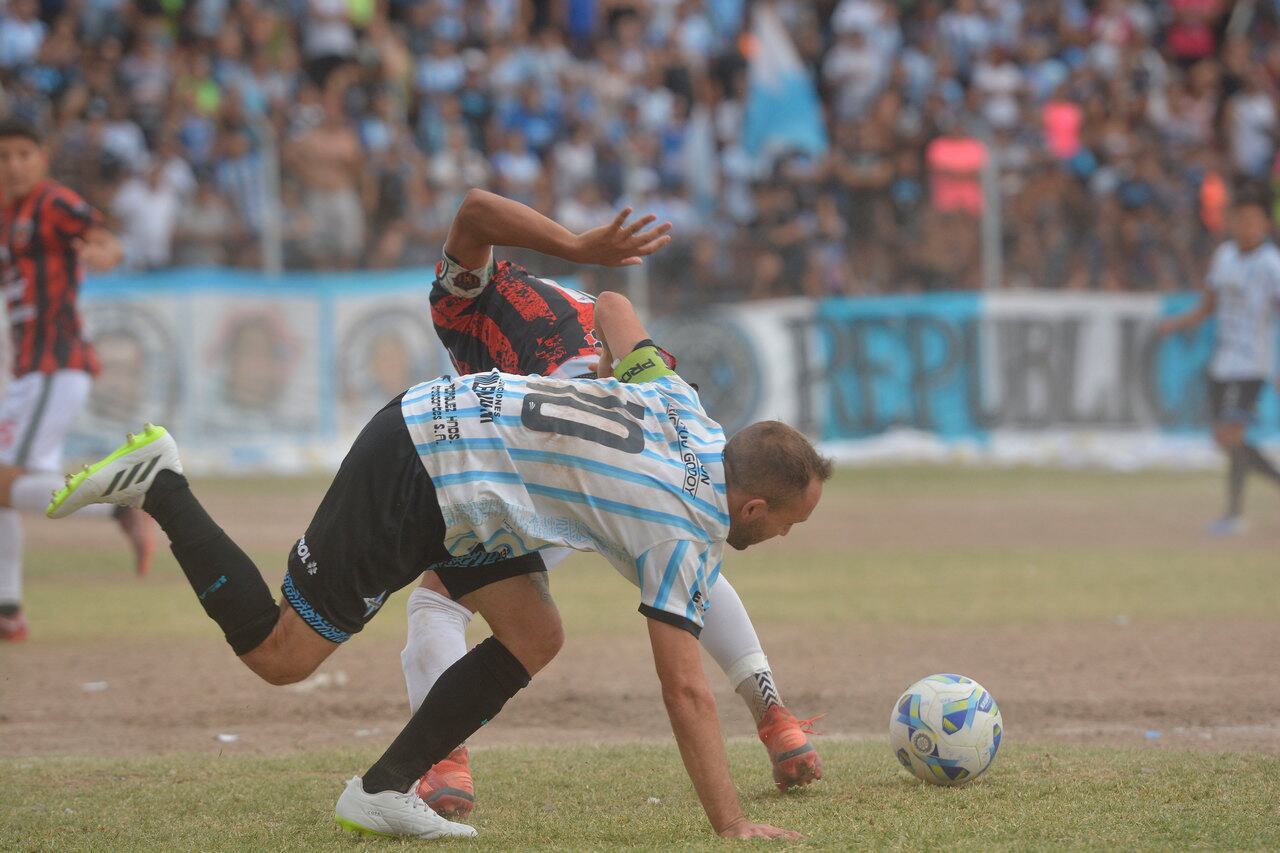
(391, 813)
(123, 477)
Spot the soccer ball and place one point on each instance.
(945, 729)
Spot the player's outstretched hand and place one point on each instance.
(95, 255)
(744, 828)
(618, 244)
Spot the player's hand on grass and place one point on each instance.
(743, 828)
(618, 244)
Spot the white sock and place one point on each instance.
(31, 492)
(10, 556)
(437, 639)
(731, 640)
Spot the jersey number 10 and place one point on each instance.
(606, 421)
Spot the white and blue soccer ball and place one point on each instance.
(946, 729)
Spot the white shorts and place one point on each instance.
(35, 415)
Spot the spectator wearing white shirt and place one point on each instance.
(21, 34)
(146, 206)
(855, 72)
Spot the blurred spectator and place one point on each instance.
(146, 208)
(327, 163)
(21, 34)
(1115, 127)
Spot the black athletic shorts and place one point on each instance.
(1234, 401)
(377, 529)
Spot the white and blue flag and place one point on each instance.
(783, 112)
(633, 472)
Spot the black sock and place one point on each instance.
(10, 609)
(1237, 468)
(465, 697)
(1260, 463)
(227, 582)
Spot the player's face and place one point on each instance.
(1249, 226)
(756, 521)
(23, 164)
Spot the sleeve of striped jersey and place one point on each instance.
(673, 580)
(70, 214)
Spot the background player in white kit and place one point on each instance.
(495, 315)
(1242, 294)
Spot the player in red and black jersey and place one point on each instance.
(518, 323)
(493, 314)
(48, 236)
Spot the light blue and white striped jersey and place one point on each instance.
(631, 471)
(1248, 289)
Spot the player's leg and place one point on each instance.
(1233, 405)
(730, 638)
(527, 634)
(16, 415)
(45, 408)
(279, 647)
(436, 640)
(1253, 458)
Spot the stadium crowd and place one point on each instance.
(1117, 128)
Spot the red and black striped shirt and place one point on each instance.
(41, 274)
(519, 323)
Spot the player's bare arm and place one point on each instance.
(692, 709)
(618, 327)
(1193, 318)
(486, 220)
(99, 250)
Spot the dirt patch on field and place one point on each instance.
(1160, 685)
(1201, 684)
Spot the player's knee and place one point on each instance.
(1228, 436)
(537, 643)
(281, 672)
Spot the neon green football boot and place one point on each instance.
(123, 477)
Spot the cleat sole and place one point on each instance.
(148, 436)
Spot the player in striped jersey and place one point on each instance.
(48, 235)
(1242, 294)
(492, 314)
(474, 476)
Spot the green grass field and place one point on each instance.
(1039, 798)
(1113, 616)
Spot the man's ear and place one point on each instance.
(755, 508)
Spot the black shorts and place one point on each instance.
(1234, 401)
(377, 529)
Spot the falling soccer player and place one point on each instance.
(494, 315)
(1242, 294)
(473, 476)
(48, 237)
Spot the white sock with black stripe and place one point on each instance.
(31, 493)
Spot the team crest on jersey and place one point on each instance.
(21, 232)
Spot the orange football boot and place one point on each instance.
(447, 787)
(795, 761)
